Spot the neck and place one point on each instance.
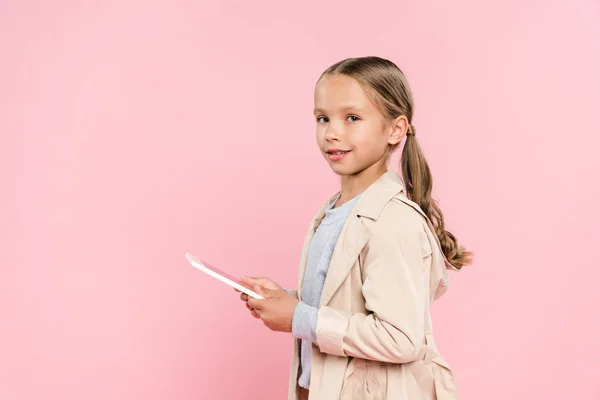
(353, 185)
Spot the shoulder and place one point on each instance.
(402, 225)
(400, 216)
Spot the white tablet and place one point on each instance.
(221, 275)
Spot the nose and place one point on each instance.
(331, 134)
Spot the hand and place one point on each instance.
(256, 284)
(276, 310)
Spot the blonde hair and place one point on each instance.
(388, 87)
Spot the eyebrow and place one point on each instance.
(347, 107)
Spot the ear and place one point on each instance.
(398, 130)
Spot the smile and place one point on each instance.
(338, 155)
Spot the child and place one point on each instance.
(375, 256)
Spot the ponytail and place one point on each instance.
(418, 181)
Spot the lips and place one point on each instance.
(337, 154)
(337, 151)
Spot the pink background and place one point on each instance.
(133, 131)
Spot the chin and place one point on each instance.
(343, 170)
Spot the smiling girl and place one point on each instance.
(376, 254)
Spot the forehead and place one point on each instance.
(338, 92)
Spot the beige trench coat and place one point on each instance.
(374, 332)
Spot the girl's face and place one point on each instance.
(348, 122)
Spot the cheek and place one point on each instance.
(320, 131)
(371, 151)
(370, 141)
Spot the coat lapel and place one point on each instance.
(353, 236)
(352, 240)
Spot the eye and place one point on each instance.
(322, 119)
(353, 118)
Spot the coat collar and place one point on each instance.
(373, 199)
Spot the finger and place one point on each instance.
(255, 314)
(244, 297)
(254, 303)
(251, 302)
(245, 284)
(248, 279)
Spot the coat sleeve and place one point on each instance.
(395, 294)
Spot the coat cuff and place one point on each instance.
(331, 329)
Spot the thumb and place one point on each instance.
(266, 292)
(255, 281)
(251, 280)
